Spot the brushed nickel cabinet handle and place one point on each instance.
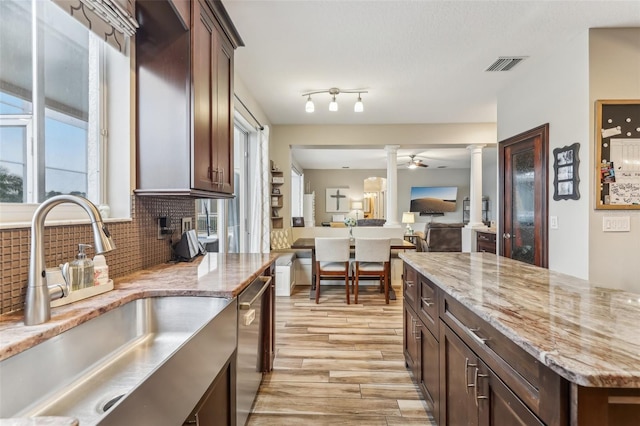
(475, 386)
(467, 364)
(477, 338)
(427, 301)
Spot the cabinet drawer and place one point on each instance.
(428, 304)
(410, 286)
(542, 390)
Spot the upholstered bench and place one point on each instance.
(285, 274)
(293, 266)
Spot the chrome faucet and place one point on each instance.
(37, 306)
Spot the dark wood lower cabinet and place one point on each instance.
(410, 341)
(422, 358)
(475, 395)
(457, 364)
(458, 385)
(430, 370)
(497, 404)
(218, 405)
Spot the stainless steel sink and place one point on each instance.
(146, 362)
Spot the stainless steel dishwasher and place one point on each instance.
(250, 332)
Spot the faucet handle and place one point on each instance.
(67, 279)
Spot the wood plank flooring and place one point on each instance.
(339, 364)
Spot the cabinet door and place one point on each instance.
(497, 405)
(430, 371)
(222, 142)
(218, 405)
(203, 71)
(457, 364)
(410, 340)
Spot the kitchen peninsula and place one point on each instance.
(490, 340)
(204, 366)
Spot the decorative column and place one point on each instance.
(392, 186)
(475, 187)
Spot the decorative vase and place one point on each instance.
(351, 233)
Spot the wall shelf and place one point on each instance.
(466, 210)
(277, 199)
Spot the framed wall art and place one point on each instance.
(336, 200)
(617, 162)
(565, 173)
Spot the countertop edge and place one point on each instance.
(550, 359)
(138, 285)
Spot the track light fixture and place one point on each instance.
(333, 105)
(309, 107)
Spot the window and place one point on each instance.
(232, 214)
(53, 122)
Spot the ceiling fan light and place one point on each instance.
(309, 107)
(412, 165)
(359, 106)
(333, 105)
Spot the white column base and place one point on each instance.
(469, 238)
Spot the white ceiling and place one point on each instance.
(421, 61)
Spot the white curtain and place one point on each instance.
(259, 237)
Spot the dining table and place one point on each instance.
(310, 244)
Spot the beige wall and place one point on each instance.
(407, 135)
(353, 182)
(614, 73)
(561, 89)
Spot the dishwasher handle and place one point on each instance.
(267, 283)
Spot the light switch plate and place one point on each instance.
(186, 224)
(616, 224)
(553, 222)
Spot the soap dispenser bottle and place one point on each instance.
(81, 270)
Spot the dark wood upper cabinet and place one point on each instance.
(184, 71)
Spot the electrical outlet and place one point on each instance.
(187, 224)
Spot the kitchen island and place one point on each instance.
(206, 361)
(490, 339)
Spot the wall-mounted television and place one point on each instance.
(433, 200)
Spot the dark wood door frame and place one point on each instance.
(541, 134)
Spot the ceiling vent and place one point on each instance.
(505, 63)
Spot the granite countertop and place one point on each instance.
(211, 275)
(585, 333)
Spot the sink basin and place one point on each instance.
(150, 358)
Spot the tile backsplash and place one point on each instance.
(137, 245)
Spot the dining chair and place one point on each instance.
(372, 259)
(332, 259)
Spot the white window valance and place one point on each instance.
(112, 20)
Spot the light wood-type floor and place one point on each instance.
(338, 364)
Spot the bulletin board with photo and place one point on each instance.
(618, 154)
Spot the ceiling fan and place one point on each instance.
(413, 163)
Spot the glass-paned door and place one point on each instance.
(523, 198)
